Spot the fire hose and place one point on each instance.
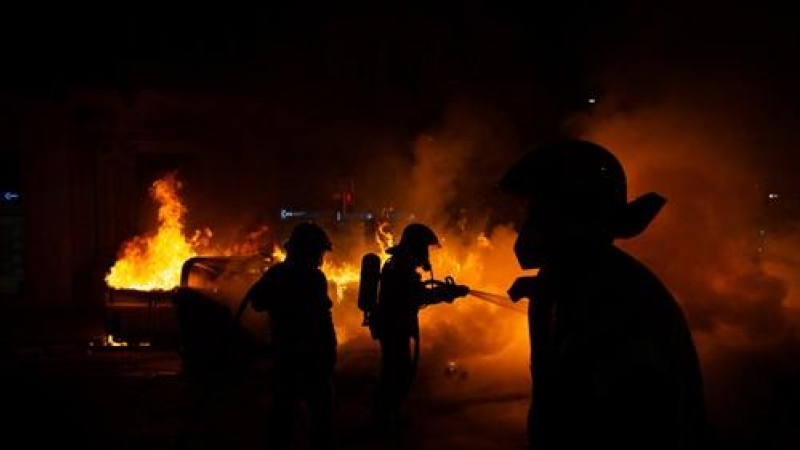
(449, 290)
(498, 300)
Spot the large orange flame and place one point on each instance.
(154, 262)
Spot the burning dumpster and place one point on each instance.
(161, 291)
(141, 318)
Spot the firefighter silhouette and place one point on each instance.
(294, 295)
(391, 301)
(612, 357)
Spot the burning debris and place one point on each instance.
(111, 341)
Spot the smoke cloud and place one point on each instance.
(725, 247)
(470, 348)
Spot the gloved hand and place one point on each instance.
(447, 291)
(523, 287)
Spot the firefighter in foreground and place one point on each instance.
(393, 318)
(294, 293)
(613, 360)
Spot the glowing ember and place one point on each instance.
(110, 341)
(154, 262)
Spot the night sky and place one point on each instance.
(371, 66)
(364, 47)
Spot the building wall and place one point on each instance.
(76, 186)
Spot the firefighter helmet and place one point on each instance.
(570, 170)
(416, 236)
(586, 181)
(308, 237)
